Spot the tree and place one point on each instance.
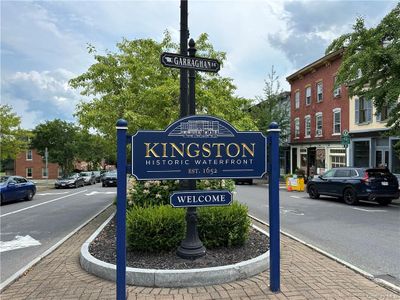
(14, 139)
(92, 148)
(60, 138)
(371, 64)
(132, 84)
(272, 107)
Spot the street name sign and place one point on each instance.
(178, 61)
(200, 198)
(198, 147)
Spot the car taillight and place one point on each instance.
(365, 179)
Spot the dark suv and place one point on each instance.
(353, 184)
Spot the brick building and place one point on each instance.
(319, 115)
(31, 165)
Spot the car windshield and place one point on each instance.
(86, 173)
(111, 174)
(4, 178)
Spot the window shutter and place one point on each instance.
(357, 110)
(369, 111)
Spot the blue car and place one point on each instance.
(16, 188)
(353, 184)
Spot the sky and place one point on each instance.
(44, 43)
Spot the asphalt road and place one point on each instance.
(366, 236)
(44, 221)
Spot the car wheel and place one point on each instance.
(384, 202)
(75, 185)
(313, 192)
(83, 184)
(1, 199)
(350, 197)
(103, 184)
(29, 196)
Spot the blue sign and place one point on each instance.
(200, 198)
(198, 147)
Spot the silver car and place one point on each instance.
(89, 177)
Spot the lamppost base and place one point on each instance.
(191, 252)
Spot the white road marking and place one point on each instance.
(297, 197)
(18, 243)
(291, 211)
(29, 207)
(369, 210)
(96, 192)
(45, 194)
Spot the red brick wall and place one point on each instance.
(326, 73)
(37, 163)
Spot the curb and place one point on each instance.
(21, 271)
(379, 281)
(172, 278)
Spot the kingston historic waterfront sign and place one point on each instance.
(200, 198)
(178, 61)
(198, 147)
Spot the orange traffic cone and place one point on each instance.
(289, 188)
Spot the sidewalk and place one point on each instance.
(305, 274)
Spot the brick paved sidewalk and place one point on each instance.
(305, 274)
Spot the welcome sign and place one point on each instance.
(200, 198)
(198, 147)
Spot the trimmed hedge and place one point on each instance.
(224, 226)
(155, 228)
(162, 228)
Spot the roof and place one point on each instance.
(316, 64)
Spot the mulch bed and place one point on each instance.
(104, 248)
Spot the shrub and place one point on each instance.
(223, 226)
(157, 192)
(155, 228)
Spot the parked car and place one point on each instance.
(110, 179)
(243, 180)
(72, 180)
(89, 177)
(97, 175)
(16, 188)
(353, 184)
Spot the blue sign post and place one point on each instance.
(122, 127)
(274, 222)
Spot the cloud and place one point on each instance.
(39, 96)
(310, 26)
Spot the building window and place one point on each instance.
(318, 124)
(361, 154)
(44, 173)
(383, 115)
(338, 158)
(363, 110)
(336, 91)
(297, 99)
(296, 128)
(308, 95)
(319, 91)
(29, 172)
(307, 126)
(395, 165)
(336, 121)
(29, 155)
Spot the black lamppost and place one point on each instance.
(191, 247)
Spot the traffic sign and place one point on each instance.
(345, 132)
(178, 61)
(345, 140)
